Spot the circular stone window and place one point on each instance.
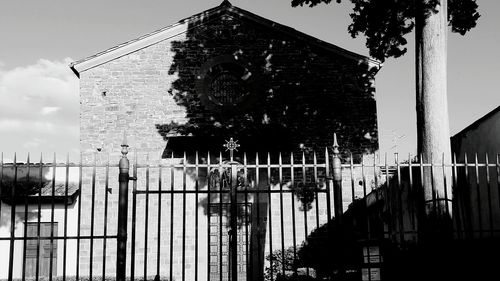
(225, 82)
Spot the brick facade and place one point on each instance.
(297, 92)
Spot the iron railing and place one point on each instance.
(213, 217)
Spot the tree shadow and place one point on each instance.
(259, 83)
(272, 88)
(26, 186)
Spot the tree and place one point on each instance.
(385, 24)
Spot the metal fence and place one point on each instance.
(231, 216)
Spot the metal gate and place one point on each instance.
(226, 216)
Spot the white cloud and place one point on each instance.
(49, 110)
(9, 125)
(34, 143)
(39, 108)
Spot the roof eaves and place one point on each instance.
(144, 41)
(181, 27)
(477, 122)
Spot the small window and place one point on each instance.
(44, 249)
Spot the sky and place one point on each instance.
(39, 103)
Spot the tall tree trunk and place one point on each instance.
(432, 110)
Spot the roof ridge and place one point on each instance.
(149, 39)
(477, 122)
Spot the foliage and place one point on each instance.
(385, 34)
(306, 193)
(278, 261)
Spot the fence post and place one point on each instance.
(123, 179)
(337, 200)
(337, 180)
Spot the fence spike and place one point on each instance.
(335, 144)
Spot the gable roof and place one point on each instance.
(225, 8)
(477, 122)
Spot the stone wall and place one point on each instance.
(299, 94)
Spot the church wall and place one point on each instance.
(302, 94)
(154, 91)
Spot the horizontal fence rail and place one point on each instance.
(205, 216)
(49, 226)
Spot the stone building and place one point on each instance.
(222, 73)
(477, 193)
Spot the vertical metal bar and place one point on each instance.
(79, 219)
(270, 214)
(304, 179)
(388, 197)
(257, 179)
(51, 261)
(66, 186)
(328, 191)
(400, 191)
(479, 209)
(282, 222)
(106, 189)
(368, 228)
(490, 208)
(422, 183)
(208, 214)
(172, 216)
(446, 197)
(12, 220)
(184, 217)
(315, 181)
(221, 221)
(134, 218)
(247, 213)
(468, 213)
(158, 245)
(411, 210)
(196, 187)
(233, 242)
(329, 182)
(351, 168)
(92, 214)
(433, 187)
(294, 235)
(25, 220)
(121, 241)
(375, 174)
(146, 220)
(456, 197)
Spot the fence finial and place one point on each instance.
(124, 145)
(335, 144)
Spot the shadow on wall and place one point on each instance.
(273, 92)
(250, 80)
(28, 185)
(445, 251)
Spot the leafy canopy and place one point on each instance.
(386, 22)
